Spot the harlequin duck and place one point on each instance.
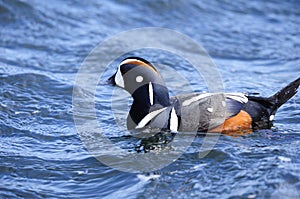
(202, 112)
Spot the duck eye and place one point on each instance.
(139, 78)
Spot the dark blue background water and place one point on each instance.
(255, 44)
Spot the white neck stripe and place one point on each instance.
(151, 97)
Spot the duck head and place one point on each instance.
(144, 83)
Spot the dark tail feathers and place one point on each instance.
(283, 95)
(261, 108)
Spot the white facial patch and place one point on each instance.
(271, 117)
(119, 78)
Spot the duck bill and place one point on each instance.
(111, 80)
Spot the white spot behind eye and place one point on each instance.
(139, 78)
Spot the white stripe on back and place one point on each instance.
(195, 99)
(240, 97)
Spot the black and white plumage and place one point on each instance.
(152, 106)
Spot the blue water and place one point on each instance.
(255, 44)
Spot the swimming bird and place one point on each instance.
(227, 113)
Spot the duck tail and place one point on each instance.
(283, 95)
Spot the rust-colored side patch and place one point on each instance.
(237, 125)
